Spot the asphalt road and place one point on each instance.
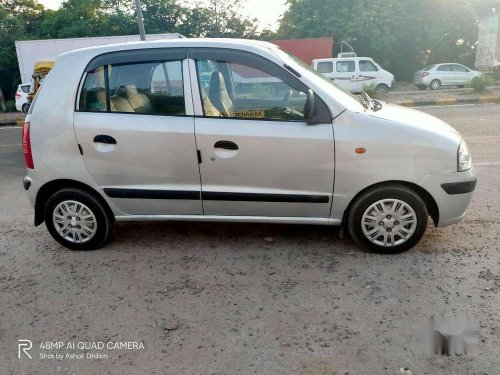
(208, 298)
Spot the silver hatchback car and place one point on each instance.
(232, 130)
(438, 75)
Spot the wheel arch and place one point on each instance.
(430, 202)
(47, 190)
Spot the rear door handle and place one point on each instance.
(101, 138)
(227, 145)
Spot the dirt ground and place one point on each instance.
(208, 298)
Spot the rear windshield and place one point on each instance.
(25, 88)
(429, 67)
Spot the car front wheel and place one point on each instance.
(77, 220)
(389, 219)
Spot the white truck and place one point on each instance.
(31, 51)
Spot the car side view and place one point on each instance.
(232, 130)
(438, 75)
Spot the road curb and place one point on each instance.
(448, 101)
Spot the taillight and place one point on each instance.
(18, 95)
(425, 74)
(28, 157)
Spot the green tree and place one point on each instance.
(18, 20)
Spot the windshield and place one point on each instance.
(345, 98)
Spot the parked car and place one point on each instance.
(438, 75)
(22, 97)
(113, 149)
(353, 73)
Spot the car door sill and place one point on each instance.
(238, 219)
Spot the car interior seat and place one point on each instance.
(218, 95)
(208, 107)
(139, 102)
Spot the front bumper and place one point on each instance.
(452, 192)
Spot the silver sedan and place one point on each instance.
(437, 75)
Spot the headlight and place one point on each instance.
(464, 160)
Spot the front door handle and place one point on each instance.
(101, 138)
(226, 145)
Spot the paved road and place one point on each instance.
(219, 298)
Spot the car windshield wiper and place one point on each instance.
(368, 102)
(365, 100)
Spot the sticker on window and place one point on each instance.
(248, 114)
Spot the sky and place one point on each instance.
(267, 12)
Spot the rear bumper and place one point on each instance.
(452, 193)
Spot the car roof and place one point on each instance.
(243, 44)
(343, 58)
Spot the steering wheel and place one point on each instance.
(286, 98)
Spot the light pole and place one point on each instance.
(140, 21)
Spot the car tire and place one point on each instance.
(382, 89)
(67, 209)
(25, 108)
(389, 219)
(435, 84)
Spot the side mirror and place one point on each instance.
(309, 107)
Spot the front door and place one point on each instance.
(259, 157)
(136, 135)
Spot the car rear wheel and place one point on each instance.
(389, 219)
(382, 89)
(25, 108)
(77, 220)
(435, 84)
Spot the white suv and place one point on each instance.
(353, 73)
(232, 130)
(22, 97)
(437, 75)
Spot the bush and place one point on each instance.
(371, 90)
(479, 84)
(10, 106)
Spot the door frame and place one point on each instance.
(245, 197)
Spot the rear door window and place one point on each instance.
(345, 66)
(154, 88)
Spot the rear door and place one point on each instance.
(259, 157)
(135, 127)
